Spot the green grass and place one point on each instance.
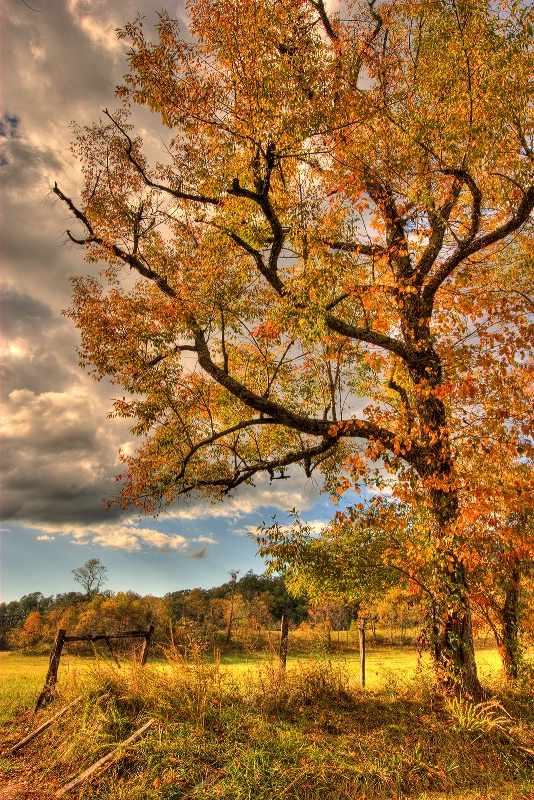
(251, 732)
(22, 676)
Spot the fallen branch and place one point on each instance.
(103, 761)
(44, 726)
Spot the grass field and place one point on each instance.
(22, 676)
(242, 730)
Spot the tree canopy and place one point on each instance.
(333, 268)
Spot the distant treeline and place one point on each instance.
(244, 613)
(254, 602)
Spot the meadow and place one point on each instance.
(243, 729)
(22, 676)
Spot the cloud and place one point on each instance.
(60, 462)
(198, 554)
(100, 27)
(127, 535)
(45, 538)
(297, 492)
(59, 458)
(60, 451)
(206, 539)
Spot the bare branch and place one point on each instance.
(162, 188)
(133, 260)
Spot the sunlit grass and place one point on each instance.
(255, 733)
(22, 676)
(252, 732)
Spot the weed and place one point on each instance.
(478, 718)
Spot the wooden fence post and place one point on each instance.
(51, 678)
(361, 636)
(146, 645)
(284, 631)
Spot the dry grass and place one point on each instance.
(262, 734)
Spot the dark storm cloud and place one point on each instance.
(58, 460)
(51, 61)
(37, 346)
(20, 313)
(26, 166)
(59, 452)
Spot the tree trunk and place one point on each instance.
(452, 634)
(233, 575)
(453, 643)
(510, 647)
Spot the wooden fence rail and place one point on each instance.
(104, 760)
(44, 726)
(47, 693)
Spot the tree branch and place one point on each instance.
(262, 199)
(212, 439)
(397, 243)
(465, 178)
(469, 248)
(246, 473)
(133, 260)
(356, 247)
(353, 428)
(369, 336)
(167, 189)
(438, 222)
(327, 25)
(177, 349)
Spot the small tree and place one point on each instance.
(91, 576)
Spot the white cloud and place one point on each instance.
(297, 492)
(128, 535)
(205, 539)
(100, 28)
(45, 538)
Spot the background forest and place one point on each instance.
(240, 614)
(243, 615)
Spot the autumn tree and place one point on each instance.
(335, 257)
(91, 577)
(499, 518)
(367, 553)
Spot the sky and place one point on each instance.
(61, 61)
